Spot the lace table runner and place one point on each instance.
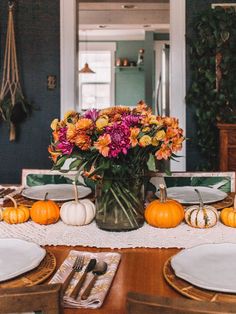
(182, 236)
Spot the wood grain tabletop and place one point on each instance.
(140, 270)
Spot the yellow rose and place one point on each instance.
(69, 113)
(146, 129)
(145, 140)
(160, 135)
(153, 120)
(102, 122)
(54, 124)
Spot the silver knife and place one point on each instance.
(91, 265)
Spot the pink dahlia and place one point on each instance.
(64, 145)
(92, 114)
(120, 139)
(131, 120)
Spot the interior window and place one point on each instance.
(95, 89)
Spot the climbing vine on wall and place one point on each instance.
(213, 77)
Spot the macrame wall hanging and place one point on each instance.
(14, 108)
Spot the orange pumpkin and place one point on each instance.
(16, 214)
(228, 215)
(164, 213)
(45, 212)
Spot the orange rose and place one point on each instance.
(71, 131)
(83, 141)
(84, 124)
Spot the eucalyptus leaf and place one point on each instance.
(151, 163)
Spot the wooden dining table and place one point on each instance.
(140, 270)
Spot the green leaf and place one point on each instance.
(151, 162)
(61, 161)
(168, 172)
(75, 164)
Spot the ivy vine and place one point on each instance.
(213, 69)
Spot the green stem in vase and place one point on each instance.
(105, 203)
(116, 216)
(130, 209)
(124, 210)
(129, 204)
(104, 210)
(132, 196)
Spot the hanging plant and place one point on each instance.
(14, 108)
(213, 64)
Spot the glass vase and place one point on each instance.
(120, 204)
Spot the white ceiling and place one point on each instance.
(104, 21)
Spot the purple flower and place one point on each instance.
(120, 142)
(91, 114)
(65, 146)
(131, 120)
(62, 134)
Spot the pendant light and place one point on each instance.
(86, 69)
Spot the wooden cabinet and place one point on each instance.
(227, 149)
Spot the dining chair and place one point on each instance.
(44, 299)
(225, 181)
(32, 177)
(137, 303)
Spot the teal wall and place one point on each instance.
(130, 82)
(133, 84)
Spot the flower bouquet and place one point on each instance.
(116, 147)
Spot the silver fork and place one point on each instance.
(77, 267)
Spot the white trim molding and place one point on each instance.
(178, 72)
(68, 33)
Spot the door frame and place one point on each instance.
(68, 65)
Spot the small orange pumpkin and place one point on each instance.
(228, 215)
(45, 212)
(164, 213)
(16, 214)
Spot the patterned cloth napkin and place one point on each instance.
(102, 284)
(15, 190)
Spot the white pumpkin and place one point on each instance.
(77, 212)
(201, 216)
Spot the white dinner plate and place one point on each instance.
(208, 266)
(18, 256)
(56, 192)
(187, 194)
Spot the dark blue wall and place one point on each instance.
(38, 46)
(193, 7)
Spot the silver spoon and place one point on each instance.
(100, 269)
